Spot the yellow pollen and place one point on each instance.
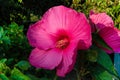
(63, 43)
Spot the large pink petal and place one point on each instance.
(55, 18)
(112, 37)
(68, 61)
(45, 59)
(61, 17)
(74, 23)
(38, 37)
(80, 29)
(101, 20)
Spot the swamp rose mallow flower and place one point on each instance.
(56, 38)
(103, 24)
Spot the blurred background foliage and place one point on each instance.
(15, 18)
(27, 11)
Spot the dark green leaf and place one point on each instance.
(6, 39)
(105, 61)
(23, 65)
(32, 77)
(101, 74)
(1, 31)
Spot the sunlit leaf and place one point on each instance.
(18, 75)
(3, 77)
(3, 60)
(20, 1)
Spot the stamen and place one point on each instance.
(63, 43)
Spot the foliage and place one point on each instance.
(14, 51)
(111, 7)
(13, 42)
(17, 15)
(14, 74)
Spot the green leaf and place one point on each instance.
(105, 61)
(13, 25)
(3, 77)
(10, 61)
(23, 65)
(1, 31)
(18, 75)
(3, 68)
(100, 73)
(103, 68)
(6, 39)
(20, 1)
(3, 60)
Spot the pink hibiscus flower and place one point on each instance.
(104, 26)
(56, 38)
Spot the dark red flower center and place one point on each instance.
(62, 43)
